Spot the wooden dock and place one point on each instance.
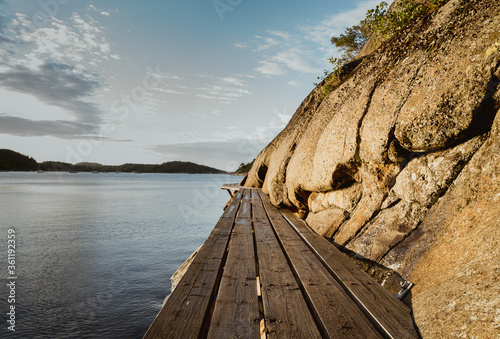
(264, 273)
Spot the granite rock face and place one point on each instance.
(400, 164)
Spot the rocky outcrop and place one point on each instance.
(400, 164)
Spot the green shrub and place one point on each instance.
(380, 24)
(331, 79)
(384, 23)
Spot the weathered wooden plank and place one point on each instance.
(258, 211)
(286, 312)
(232, 207)
(231, 187)
(236, 187)
(333, 287)
(338, 315)
(186, 310)
(390, 315)
(245, 210)
(236, 312)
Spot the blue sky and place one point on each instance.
(152, 81)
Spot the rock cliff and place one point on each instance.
(401, 165)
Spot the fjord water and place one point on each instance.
(94, 252)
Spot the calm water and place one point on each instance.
(95, 252)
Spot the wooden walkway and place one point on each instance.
(264, 273)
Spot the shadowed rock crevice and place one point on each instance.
(261, 173)
(344, 175)
(395, 245)
(483, 119)
(377, 179)
(357, 156)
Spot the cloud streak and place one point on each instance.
(212, 89)
(57, 64)
(334, 25)
(270, 68)
(56, 128)
(282, 53)
(54, 84)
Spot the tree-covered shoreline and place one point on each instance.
(14, 161)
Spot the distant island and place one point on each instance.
(14, 161)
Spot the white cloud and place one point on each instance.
(241, 45)
(102, 12)
(280, 52)
(270, 68)
(78, 42)
(210, 89)
(266, 133)
(158, 74)
(284, 35)
(232, 81)
(59, 128)
(224, 90)
(266, 44)
(58, 64)
(249, 76)
(297, 60)
(219, 99)
(294, 83)
(336, 24)
(169, 91)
